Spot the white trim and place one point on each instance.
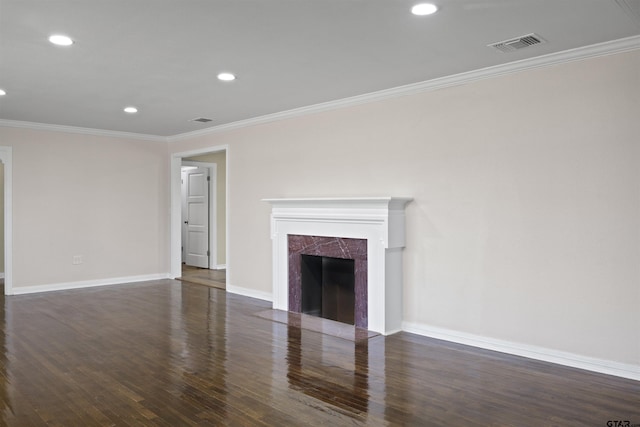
(533, 352)
(6, 156)
(175, 217)
(601, 49)
(80, 130)
(219, 267)
(21, 290)
(1, 275)
(227, 191)
(576, 54)
(251, 293)
(175, 226)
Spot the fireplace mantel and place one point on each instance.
(379, 220)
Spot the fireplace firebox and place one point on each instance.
(328, 287)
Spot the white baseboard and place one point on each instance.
(2, 275)
(533, 352)
(219, 267)
(21, 290)
(266, 296)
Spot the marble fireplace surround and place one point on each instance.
(378, 220)
(335, 247)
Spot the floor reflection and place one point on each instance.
(5, 398)
(203, 333)
(338, 374)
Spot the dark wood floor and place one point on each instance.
(171, 353)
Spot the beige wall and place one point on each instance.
(220, 159)
(1, 217)
(526, 221)
(103, 198)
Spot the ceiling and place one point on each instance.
(163, 56)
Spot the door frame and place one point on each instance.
(212, 216)
(7, 160)
(175, 216)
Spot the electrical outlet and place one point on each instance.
(77, 259)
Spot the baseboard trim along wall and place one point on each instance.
(532, 352)
(21, 290)
(266, 296)
(517, 349)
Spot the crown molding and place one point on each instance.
(577, 54)
(80, 130)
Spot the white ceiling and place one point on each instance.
(163, 55)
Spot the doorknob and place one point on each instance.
(186, 222)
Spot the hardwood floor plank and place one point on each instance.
(170, 353)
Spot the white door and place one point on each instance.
(183, 209)
(197, 217)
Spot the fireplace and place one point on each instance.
(369, 231)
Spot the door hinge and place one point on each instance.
(208, 178)
(208, 253)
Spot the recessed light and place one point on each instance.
(226, 77)
(423, 9)
(131, 110)
(60, 40)
(2, 92)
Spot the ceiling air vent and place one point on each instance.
(632, 8)
(517, 43)
(201, 120)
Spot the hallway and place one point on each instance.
(204, 276)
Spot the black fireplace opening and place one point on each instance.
(328, 287)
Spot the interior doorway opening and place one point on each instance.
(6, 184)
(198, 235)
(2, 241)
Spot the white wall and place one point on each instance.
(105, 199)
(1, 218)
(526, 221)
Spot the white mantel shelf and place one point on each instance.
(379, 220)
(305, 201)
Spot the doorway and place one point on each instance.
(6, 201)
(2, 226)
(215, 268)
